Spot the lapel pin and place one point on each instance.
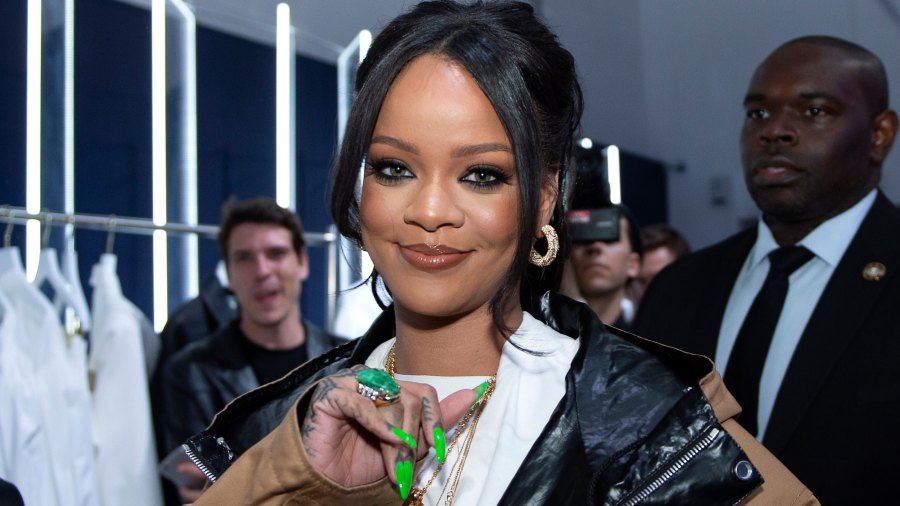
(873, 271)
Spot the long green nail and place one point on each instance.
(405, 437)
(479, 391)
(440, 445)
(404, 472)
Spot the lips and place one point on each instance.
(775, 172)
(432, 256)
(264, 296)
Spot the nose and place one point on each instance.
(433, 206)
(263, 266)
(777, 130)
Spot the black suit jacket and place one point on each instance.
(836, 420)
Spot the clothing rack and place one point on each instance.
(113, 224)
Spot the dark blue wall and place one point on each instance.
(235, 128)
(13, 16)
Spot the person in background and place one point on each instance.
(819, 384)
(213, 309)
(605, 259)
(663, 244)
(266, 261)
(464, 123)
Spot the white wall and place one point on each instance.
(666, 78)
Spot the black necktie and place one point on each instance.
(748, 356)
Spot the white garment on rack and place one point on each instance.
(69, 267)
(48, 275)
(23, 445)
(126, 451)
(60, 387)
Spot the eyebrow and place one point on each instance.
(474, 149)
(759, 97)
(395, 142)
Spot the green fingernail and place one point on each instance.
(479, 391)
(405, 437)
(404, 472)
(440, 445)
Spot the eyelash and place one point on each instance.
(378, 168)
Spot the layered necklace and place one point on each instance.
(467, 426)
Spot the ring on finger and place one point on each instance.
(377, 386)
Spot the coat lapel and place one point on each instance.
(846, 301)
(708, 315)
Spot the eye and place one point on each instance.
(389, 171)
(757, 114)
(815, 111)
(485, 177)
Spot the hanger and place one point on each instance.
(48, 271)
(9, 254)
(70, 273)
(110, 234)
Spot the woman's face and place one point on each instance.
(439, 207)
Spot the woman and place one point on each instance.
(464, 120)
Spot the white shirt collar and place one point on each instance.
(828, 241)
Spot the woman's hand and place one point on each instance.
(353, 442)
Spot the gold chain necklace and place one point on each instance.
(417, 495)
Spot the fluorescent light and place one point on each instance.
(160, 279)
(69, 108)
(158, 92)
(613, 173)
(33, 136)
(189, 144)
(285, 159)
(365, 42)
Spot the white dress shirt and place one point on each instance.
(126, 451)
(828, 242)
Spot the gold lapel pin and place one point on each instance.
(873, 271)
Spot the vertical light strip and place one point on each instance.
(69, 119)
(158, 91)
(613, 173)
(285, 159)
(33, 136)
(189, 164)
(69, 108)
(365, 41)
(347, 62)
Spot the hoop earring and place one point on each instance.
(552, 248)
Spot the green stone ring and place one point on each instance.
(378, 386)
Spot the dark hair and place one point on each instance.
(661, 235)
(529, 79)
(873, 79)
(634, 230)
(258, 210)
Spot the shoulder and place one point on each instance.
(203, 351)
(320, 335)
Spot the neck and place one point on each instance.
(467, 345)
(286, 334)
(607, 306)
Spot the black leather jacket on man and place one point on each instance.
(633, 427)
(207, 374)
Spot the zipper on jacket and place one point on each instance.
(673, 469)
(200, 465)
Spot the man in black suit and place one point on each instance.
(816, 132)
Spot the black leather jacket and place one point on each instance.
(633, 428)
(207, 374)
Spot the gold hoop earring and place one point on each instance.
(552, 248)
